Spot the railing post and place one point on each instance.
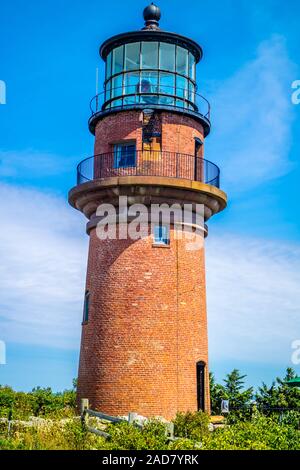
(9, 422)
(132, 417)
(84, 406)
(170, 431)
(138, 157)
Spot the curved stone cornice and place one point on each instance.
(146, 190)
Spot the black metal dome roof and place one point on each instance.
(151, 32)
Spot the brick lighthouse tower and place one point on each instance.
(144, 341)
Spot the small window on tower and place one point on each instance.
(161, 235)
(125, 155)
(86, 307)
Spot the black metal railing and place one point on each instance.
(168, 96)
(148, 163)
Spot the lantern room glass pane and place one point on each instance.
(117, 89)
(132, 56)
(167, 57)
(167, 87)
(182, 86)
(192, 95)
(180, 104)
(118, 103)
(107, 90)
(167, 83)
(192, 67)
(108, 66)
(149, 86)
(182, 90)
(117, 61)
(150, 79)
(182, 61)
(149, 55)
(131, 87)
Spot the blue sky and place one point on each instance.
(48, 57)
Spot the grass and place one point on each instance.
(261, 433)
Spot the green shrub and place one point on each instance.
(261, 433)
(75, 436)
(39, 402)
(291, 418)
(191, 425)
(184, 444)
(280, 394)
(129, 437)
(9, 444)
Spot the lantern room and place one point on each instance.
(150, 72)
(151, 68)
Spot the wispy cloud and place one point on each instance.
(253, 295)
(42, 271)
(17, 164)
(253, 298)
(253, 284)
(38, 169)
(252, 116)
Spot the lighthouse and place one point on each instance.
(144, 344)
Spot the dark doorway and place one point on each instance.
(198, 165)
(201, 386)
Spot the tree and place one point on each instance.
(267, 397)
(234, 391)
(7, 398)
(280, 394)
(234, 388)
(217, 394)
(75, 384)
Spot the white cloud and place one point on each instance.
(252, 116)
(16, 164)
(42, 270)
(253, 298)
(253, 284)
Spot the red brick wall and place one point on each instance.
(117, 128)
(178, 137)
(147, 327)
(178, 132)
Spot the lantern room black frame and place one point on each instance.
(186, 106)
(151, 36)
(189, 89)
